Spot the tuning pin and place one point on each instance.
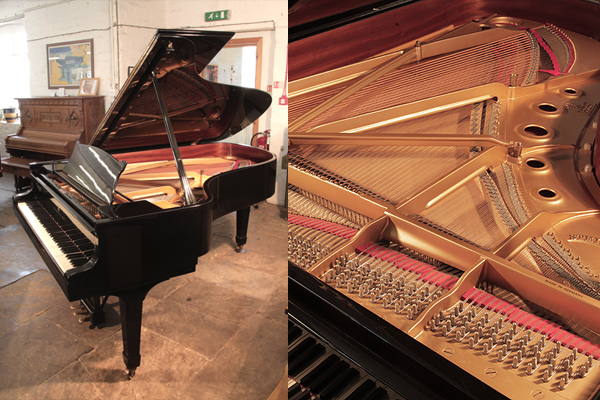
(529, 370)
(458, 337)
(520, 355)
(548, 373)
(563, 383)
(546, 376)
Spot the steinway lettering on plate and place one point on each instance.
(583, 108)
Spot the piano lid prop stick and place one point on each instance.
(187, 191)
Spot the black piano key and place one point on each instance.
(377, 394)
(304, 354)
(359, 393)
(295, 388)
(303, 395)
(337, 385)
(330, 376)
(293, 334)
(319, 374)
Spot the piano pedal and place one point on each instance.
(93, 309)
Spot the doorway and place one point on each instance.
(239, 63)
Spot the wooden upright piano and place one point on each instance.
(50, 127)
(444, 204)
(135, 206)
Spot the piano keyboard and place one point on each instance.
(317, 371)
(65, 239)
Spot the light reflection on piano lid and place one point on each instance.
(95, 170)
(200, 110)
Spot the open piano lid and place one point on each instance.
(200, 111)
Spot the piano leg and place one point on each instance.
(243, 216)
(130, 305)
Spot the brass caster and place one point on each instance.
(130, 373)
(238, 249)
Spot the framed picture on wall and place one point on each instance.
(69, 63)
(89, 86)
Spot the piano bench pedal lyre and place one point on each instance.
(91, 309)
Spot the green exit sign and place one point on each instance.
(217, 15)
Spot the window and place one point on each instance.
(14, 68)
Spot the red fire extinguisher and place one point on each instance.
(263, 139)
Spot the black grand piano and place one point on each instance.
(135, 207)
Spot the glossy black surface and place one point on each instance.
(200, 111)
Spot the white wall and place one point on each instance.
(121, 30)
